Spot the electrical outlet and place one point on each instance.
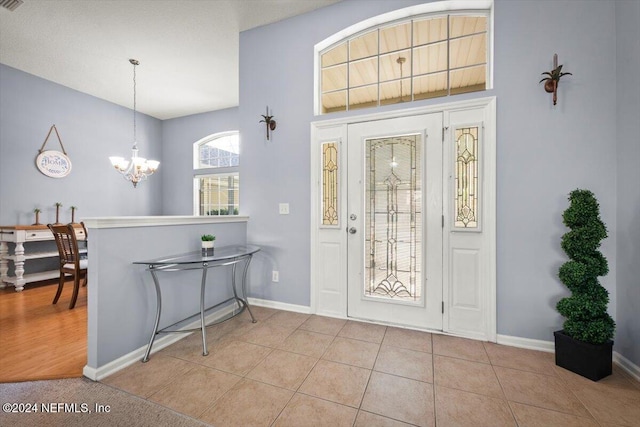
(283, 208)
(275, 276)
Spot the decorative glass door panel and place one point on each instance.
(394, 221)
(393, 212)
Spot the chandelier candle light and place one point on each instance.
(138, 168)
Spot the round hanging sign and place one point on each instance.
(53, 164)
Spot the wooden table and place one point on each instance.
(22, 235)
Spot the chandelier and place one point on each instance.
(138, 168)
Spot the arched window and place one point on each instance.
(421, 57)
(215, 174)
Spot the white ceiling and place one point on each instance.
(188, 49)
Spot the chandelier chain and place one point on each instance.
(135, 140)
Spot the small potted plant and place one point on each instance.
(207, 244)
(585, 345)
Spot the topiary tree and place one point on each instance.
(586, 308)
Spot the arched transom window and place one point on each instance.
(422, 57)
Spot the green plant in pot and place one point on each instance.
(585, 344)
(207, 244)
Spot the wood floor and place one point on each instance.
(39, 340)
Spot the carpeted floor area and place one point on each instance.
(124, 409)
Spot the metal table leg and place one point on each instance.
(239, 297)
(158, 310)
(202, 325)
(245, 301)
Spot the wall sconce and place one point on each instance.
(553, 79)
(269, 122)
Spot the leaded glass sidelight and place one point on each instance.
(393, 247)
(466, 178)
(330, 183)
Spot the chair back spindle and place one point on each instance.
(70, 262)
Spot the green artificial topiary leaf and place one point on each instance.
(586, 308)
(594, 331)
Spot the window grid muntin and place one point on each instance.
(207, 171)
(412, 20)
(234, 158)
(217, 197)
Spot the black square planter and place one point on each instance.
(593, 361)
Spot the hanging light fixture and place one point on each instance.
(401, 60)
(137, 169)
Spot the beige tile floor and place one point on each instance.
(292, 369)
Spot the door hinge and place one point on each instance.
(442, 221)
(442, 307)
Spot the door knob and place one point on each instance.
(352, 230)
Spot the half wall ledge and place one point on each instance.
(151, 221)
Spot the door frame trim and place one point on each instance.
(339, 126)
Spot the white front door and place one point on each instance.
(394, 221)
(418, 194)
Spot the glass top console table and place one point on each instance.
(223, 256)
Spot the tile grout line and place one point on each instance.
(243, 376)
(296, 391)
(264, 358)
(493, 369)
(555, 375)
(371, 371)
(192, 365)
(593, 417)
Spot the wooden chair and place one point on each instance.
(70, 262)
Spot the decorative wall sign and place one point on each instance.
(53, 163)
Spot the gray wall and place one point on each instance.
(277, 171)
(178, 136)
(91, 130)
(628, 140)
(122, 300)
(544, 152)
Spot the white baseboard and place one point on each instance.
(280, 305)
(626, 364)
(549, 346)
(96, 374)
(527, 343)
